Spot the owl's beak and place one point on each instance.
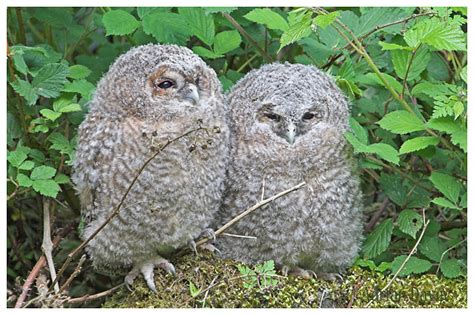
(191, 94)
(290, 132)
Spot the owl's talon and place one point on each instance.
(192, 246)
(210, 247)
(330, 276)
(208, 233)
(298, 272)
(285, 270)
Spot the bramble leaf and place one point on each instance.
(378, 240)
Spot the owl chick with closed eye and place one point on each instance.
(150, 95)
(287, 127)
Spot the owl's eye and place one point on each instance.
(166, 84)
(310, 116)
(273, 116)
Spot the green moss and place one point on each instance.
(358, 288)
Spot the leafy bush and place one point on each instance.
(404, 70)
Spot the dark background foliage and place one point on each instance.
(404, 70)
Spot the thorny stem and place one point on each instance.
(119, 206)
(248, 37)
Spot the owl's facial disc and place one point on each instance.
(167, 84)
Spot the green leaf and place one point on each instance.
(401, 61)
(74, 107)
(446, 124)
(43, 172)
(79, 72)
(62, 179)
(386, 152)
(392, 186)
(27, 165)
(19, 63)
(25, 89)
(418, 143)
(432, 247)
(463, 74)
(50, 79)
(60, 143)
(451, 268)
(459, 138)
(401, 122)
(144, 11)
(50, 114)
(413, 265)
(446, 184)
(442, 35)
(210, 10)
(17, 157)
(193, 290)
(119, 22)
(378, 240)
(359, 131)
(23, 180)
(323, 20)
(445, 203)
(206, 53)
(166, 27)
(267, 17)
(373, 79)
(301, 28)
(226, 41)
(359, 147)
(392, 46)
(46, 187)
(410, 222)
(200, 24)
(83, 87)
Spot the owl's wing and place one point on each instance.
(98, 137)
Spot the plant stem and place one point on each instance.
(21, 38)
(410, 62)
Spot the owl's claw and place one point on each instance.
(330, 276)
(146, 269)
(192, 246)
(299, 272)
(208, 233)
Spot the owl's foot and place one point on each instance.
(146, 269)
(330, 276)
(209, 234)
(299, 272)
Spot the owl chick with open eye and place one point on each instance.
(287, 127)
(151, 94)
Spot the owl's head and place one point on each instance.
(287, 103)
(154, 80)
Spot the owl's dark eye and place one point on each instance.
(308, 116)
(166, 84)
(272, 116)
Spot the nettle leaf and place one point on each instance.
(166, 27)
(451, 268)
(413, 265)
(226, 41)
(269, 18)
(323, 20)
(119, 22)
(401, 61)
(25, 89)
(50, 114)
(401, 122)
(50, 79)
(300, 28)
(418, 143)
(200, 24)
(43, 172)
(445, 203)
(79, 72)
(378, 240)
(46, 187)
(446, 184)
(442, 35)
(410, 222)
(432, 247)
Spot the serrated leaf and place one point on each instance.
(373, 79)
(401, 122)
(392, 46)
(74, 107)
(60, 143)
(267, 17)
(62, 179)
(358, 146)
(418, 143)
(443, 202)
(446, 184)
(25, 89)
(401, 62)
(323, 20)
(432, 247)
(43, 172)
(19, 63)
(27, 165)
(451, 268)
(50, 79)
(410, 222)
(17, 157)
(359, 131)
(446, 124)
(378, 240)
(119, 22)
(144, 11)
(23, 180)
(83, 87)
(205, 53)
(301, 28)
(386, 152)
(226, 41)
(392, 186)
(46, 187)
(200, 24)
(166, 27)
(459, 138)
(79, 72)
(50, 114)
(413, 265)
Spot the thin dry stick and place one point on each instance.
(425, 225)
(87, 298)
(119, 206)
(239, 236)
(47, 245)
(446, 251)
(250, 210)
(247, 36)
(77, 270)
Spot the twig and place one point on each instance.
(355, 290)
(263, 188)
(47, 245)
(376, 215)
(207, 292)
(410, 62)
(250, 210)
(77, 270)
(425, 225)
(119, 206)
(239, 236)
(87, 298)
(446, 251)
(248, 37)
(38, 266)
